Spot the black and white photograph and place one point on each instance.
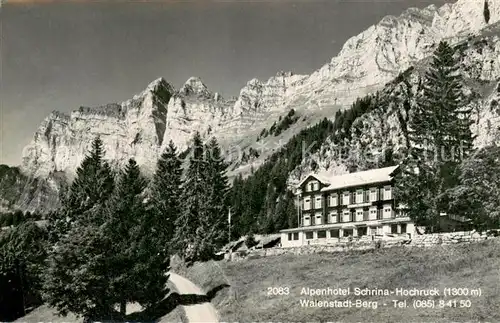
(249, 161)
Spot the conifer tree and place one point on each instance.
(237, 200)
(77, 277)
(137, 272)
(166, 192)
(217, 194)
(23, 250)
(93, 183)
(92, 187)
(478, 196)
(268, 212)
(440, 137)
(486, 12)
(188, 229)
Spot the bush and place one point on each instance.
(250, 241)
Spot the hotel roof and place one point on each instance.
(354, 179)
(361, 178)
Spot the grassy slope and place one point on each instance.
(473, 266)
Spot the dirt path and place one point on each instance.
(203, 312)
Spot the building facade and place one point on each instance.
(350, 205)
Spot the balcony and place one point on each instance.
(364, 204)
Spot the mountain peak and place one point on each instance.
(159, 85)
(156, 84)
(194, 85)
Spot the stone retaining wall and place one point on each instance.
(367, 243)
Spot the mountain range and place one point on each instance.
(246, 126)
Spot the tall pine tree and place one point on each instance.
(137, 263)
(92, 187)
(93, 183)
(217, 195)
(188, 231)
(166, 193)
(440, 137)
(78, 274)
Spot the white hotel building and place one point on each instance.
(350, 205)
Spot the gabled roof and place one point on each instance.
(320, 177)
(361, 178)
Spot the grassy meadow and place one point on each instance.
(472, 266)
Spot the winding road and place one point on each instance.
(204, 312)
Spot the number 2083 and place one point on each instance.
(278, 291)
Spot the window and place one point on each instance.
(321, 234)
(307, 203)
(387, 193)
(334, 199)
(403, 227)
(319, 219)
(317, 202)
(334, 233)
(312, 186)
(333, 217)
(359, 215)
(346, 198)
(394, 228)
(348, 233)
(290, 236)
(307, 220)
(309, 235)
(373, 195)
(359, 196)
(346, 216)
(296, 236)
(373, 214)
(362, 231)
(367, 196)
(387, 212)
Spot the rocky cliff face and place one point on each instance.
(134, 128)
(142, 126)
(383, 129)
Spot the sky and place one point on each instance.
(58, 55)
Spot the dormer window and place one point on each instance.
(313, 186)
